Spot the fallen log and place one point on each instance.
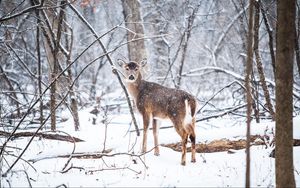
(49, 136)
(223, 145)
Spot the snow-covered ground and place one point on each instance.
(127, 169)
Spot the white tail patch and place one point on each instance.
(188, 114)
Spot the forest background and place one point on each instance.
(59, 56)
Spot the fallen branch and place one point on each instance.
(223, 145)
(42, 135)
(92, 155)
(72, 167)
(90, 172)
(79, 155)
(114, 168)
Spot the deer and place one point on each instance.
(156, 102)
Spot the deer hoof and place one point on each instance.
(183, 163)
(156, 152)
(193, 160)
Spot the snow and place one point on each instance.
(128, 169)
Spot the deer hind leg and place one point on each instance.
(184, 138)
(192, 137)
(178, 124)
(155, 135)
(146, 125)
(193, 140)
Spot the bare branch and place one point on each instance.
(29, 9)
(43, 135)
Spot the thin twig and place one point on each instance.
(28, 179)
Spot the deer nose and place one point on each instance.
(131, 77)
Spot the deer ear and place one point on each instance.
(143, 62)
(121, 62)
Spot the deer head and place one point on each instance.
(132, 69)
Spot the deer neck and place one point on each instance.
(133, 87)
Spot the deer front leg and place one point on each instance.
(155, 135)
(146, 125)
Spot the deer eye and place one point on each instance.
(127, 68)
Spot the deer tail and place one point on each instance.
(190, 112)
(190, 106)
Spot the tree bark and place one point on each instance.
(284, 169)
(297, 35)
(297, 49)
(133, 22)
(248, 89)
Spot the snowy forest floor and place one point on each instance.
(123, 165)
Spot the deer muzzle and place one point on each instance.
(131, 77)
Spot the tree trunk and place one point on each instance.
(133, 22)
(248, 89)
(259, 63)
(73, 98)
(297, 50)
(53, 90)
(38, 49)
(284, 93)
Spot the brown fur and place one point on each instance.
(155, 101)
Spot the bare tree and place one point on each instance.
(133, 22)
(284, 93)
(39, 60)
(248, 88)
